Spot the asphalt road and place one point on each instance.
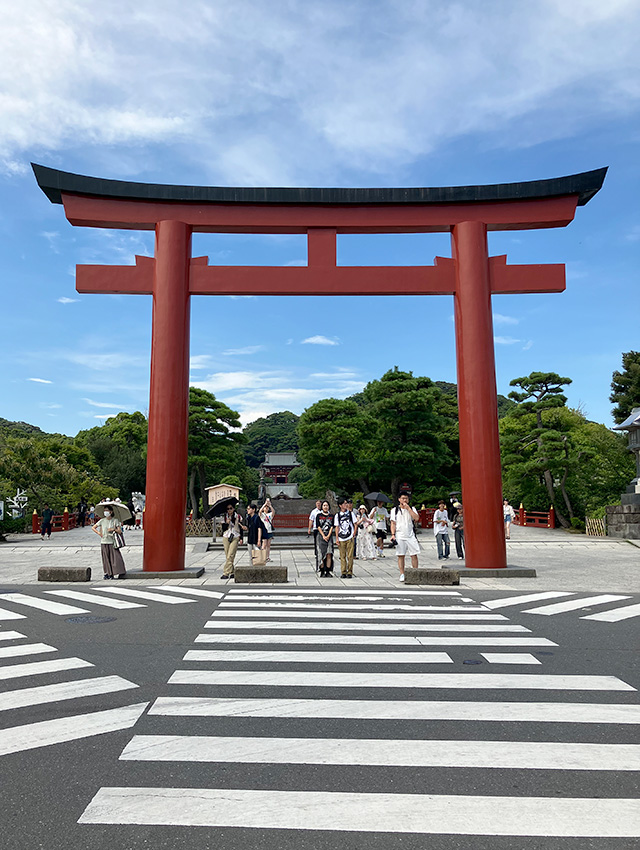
(359, 774)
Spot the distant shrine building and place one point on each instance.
(277, 466)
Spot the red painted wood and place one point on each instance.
(87, 211)
(166, 492)
(485, 546)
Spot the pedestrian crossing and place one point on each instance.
(376, 706)
(577, 603)
(18, 737)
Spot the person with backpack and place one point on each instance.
(345, 524)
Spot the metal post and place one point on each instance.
(166, 496)
(477, 400)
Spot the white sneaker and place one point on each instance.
(401, 576)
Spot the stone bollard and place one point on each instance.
(64, 574)
(264, 574)
(425, 576)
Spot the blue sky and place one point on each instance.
(275, 93)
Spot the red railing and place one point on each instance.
(426, 517)
(291, 521)
(535, 519)
(59, 522)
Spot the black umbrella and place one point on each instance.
(377, 497)
(220, 507)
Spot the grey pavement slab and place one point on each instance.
(562, 561)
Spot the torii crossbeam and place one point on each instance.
(172, 276)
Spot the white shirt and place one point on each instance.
(312, 516)
(440, 522)
(380, 516)
(345, 528)
(404, 523)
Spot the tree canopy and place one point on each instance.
(625, 386)
(274, 433)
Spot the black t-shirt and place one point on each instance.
(254, 524)
(324, 522)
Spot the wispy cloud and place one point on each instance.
(505, 340)
(499, 319)
(65, 300)
(52, 237)
(200, 361)
(248, 349)
(45, 405)
(109, 405)
(320, 340)
(527, 345)
(39, 380)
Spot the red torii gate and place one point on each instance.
(172, 276)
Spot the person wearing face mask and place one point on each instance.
(112, 561)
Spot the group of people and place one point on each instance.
(258, 526)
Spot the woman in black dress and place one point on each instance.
(324, 540)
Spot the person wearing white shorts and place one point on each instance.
(402, 519)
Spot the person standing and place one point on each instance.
(365, 547)
(254, 530)
(324, 541)
(441, 531)
(112, 561)
(380, 515)
(458, 529)
(231, 535)
(509, 516)
(267, 515)
(312, 528)
(345, 526)
(402, 531)
(47, 519)
(82, 513)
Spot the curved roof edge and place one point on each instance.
(53, 183)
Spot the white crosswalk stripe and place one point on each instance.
(145, 594)
(25, 649)
(43, 604)
(94, 599)
(62, 691)
(320, 657)
(325, 645)
(11, 635)
(36, 668)
(509, 601)
(358, 812)
(190, 591)
(616, 615)
(10, 615)
(375, 640)
(574, 604)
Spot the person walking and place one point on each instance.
(82, 513)
(380, 515)
(312, 527)
(324, 541)
(255, 530)
(112, 560)
(231, 535)
(47, 519)
(402, 531)
(458, 529)
(267, 514)
(441, 531)
(365, 546)
(509, 516)
(345, 526)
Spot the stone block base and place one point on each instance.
(64, 574)
(265, 574)
(190, 572)
(422, 576)
(623, 521)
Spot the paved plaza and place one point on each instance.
(563, 561)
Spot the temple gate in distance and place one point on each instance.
(172, 276)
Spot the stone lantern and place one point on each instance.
(623, 520)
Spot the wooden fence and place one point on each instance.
(596, 527)
(536, 519)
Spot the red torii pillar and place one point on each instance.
(172, 276)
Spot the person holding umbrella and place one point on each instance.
(111, 515)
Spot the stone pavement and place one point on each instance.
(563, 561)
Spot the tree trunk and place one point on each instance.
(192, 492)
(203, 485)
(395, 484)
(548, 480)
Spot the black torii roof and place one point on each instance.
(53, 183)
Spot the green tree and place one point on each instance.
(119, 448)
(273, 433)
(625, 386)
(540, 446)
(214, 444)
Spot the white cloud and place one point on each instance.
(248, 349)
(39, 380)
(527, 345)
(289, 341)
(50, 405)
(499, 319)
(222, 382)
(108, 404)
(505, 340)
(633, 235)
(319, 340)
(258, 89)
(65, 300)
(52, 237)
(199, 361)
